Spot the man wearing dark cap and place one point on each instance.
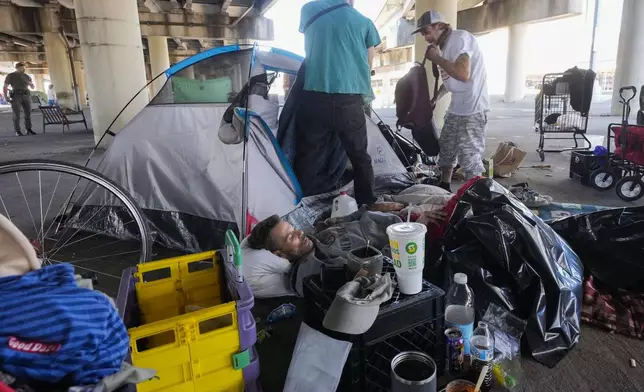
(459, 59)
(19, 97)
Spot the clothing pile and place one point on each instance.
(619, 311)
(54, 334)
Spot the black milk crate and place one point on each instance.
(404, 323)
(583, 164)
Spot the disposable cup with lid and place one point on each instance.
(407, 242)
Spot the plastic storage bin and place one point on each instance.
(404, 323)
(190, 319)
(583, 164)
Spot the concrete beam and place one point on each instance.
(15, 20)
(225, 5)
(67, 3)
(467, 4)
(267, 5)
(26, 3)
(203, 43)
(180, 45)
(503, 13)
(19, 41)
(18, 56)
(153, 6)
(213, 26)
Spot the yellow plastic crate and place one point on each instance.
(188, 324)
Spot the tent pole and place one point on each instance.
(244, 216)
(107, 131)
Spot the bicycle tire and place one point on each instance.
(93, 176)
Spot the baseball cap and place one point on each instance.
(357, 303)
(429, 18)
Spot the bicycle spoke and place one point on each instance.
(50, 201)
(42, 223)
(87, 269)
(101, 257)
(27, 203)
(77, 230)
(88, 237)
(63, 209)
(85, 219)
(5, 209)
(57, 215)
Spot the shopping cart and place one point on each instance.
(555, 115)
(624, 167)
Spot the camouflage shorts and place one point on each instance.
(463, 138)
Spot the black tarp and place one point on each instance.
(610, 243)
(517, 261)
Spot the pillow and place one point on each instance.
(267, 275)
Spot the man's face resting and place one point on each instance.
(291, 244)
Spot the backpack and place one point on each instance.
(413, 107)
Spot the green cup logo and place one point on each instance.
(411, 248)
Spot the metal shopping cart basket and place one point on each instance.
(561, 108)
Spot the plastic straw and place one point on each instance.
(409, 213)
(481, 378)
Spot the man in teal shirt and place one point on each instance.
(339, 44)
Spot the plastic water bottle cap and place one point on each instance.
(460, 278)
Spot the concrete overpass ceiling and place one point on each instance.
(483, 16)
(203, 23)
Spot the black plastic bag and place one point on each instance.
(517, 261)
(610, 243)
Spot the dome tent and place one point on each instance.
(191, 185)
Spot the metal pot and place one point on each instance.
(413, 371)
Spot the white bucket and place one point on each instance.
(407, 241)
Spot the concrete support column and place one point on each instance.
(39, 82)
(59, 69)
(630, 52)
(80, 82)
(515, 72)
(189, 73)
(449, 9)
(110, 37)
(159, 61)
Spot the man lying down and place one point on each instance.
(277, 257)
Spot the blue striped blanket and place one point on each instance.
(53, 331)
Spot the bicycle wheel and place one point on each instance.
(76, 215)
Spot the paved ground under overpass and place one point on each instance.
(599, 362)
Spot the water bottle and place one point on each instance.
(459, 312)
(343, 205)
(482, 351)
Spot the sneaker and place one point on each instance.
(530, 197)
(18, 133)
(30, 132)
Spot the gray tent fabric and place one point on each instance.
(190, 175)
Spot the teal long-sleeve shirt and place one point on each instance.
(336, 47)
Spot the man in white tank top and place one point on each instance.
(459, 59)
